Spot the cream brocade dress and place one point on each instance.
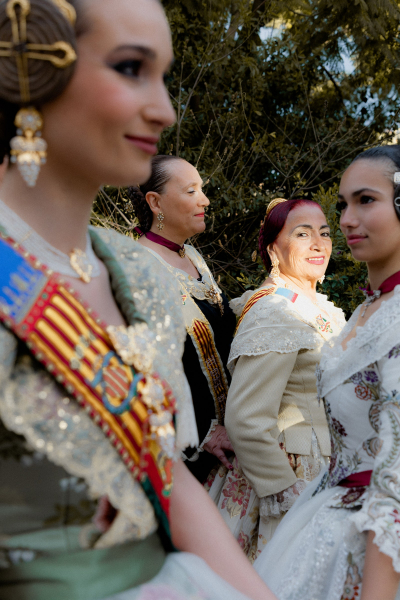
(273, 419)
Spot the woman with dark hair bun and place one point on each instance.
(172, 203)
(341, 540)
(277, 428)
(94, 409)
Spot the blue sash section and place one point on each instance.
(20, 284)
(292, 296)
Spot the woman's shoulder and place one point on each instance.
(334, 311)
(271, 324)
(375, 341)
(196, 257)
(239, 304)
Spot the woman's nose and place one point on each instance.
(316, 241)
(349, 218)
(205, 200)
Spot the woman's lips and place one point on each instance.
(318, 260)
(147, 144)
(199, 215)
(355, 239)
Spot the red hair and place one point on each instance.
(274, 224)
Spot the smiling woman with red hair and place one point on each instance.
(277, 428)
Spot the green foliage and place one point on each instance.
(265, 109)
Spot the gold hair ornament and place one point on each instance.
(274, 203)
(28, 149)
(66, 9)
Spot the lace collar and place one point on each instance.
(376, 338)
(309, 312)
(203, 289)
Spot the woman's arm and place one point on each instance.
(379, 515)
(197, 527)
(380, 580)
(252, 409)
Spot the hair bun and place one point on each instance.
(141, 208)
(45, 25)
(135, 193)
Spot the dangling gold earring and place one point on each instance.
(160, 219)
(321, 279)
(28, 149)
(275, 272)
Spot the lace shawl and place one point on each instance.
(372, 341)
(195, 288)
(274, 324)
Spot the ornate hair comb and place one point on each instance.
(274, 203)
(396, 177)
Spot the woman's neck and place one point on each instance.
(170, 234)
(303, 286)
(57, 208)
(377, 273)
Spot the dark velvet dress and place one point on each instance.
(223, 328)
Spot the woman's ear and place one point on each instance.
(153, 200)
(271, 251)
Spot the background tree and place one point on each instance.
(275, 98)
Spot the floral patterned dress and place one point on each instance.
(318, 551)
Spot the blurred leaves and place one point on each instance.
(265, 108)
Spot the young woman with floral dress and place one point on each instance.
(341, 540)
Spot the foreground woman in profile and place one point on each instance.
(89, 329)
(341, 540)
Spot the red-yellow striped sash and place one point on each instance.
(64, 335)
(251, 302)
(212, 363)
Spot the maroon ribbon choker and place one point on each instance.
(158, 239)
(387, 286)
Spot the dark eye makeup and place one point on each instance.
(341, 205)
(129, 68)
(366, 199)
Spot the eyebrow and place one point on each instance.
(193, 184)
(358, 192)
(141, 49)
(307, 226)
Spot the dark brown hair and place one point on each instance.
(45, 24)
(274, 224)
(157, 181)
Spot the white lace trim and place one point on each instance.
(32, 405)
(273, 324)
(270, 506)
(195, 456)
(386, 539)
(213, 427)
(195, 288)
(374, 340)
